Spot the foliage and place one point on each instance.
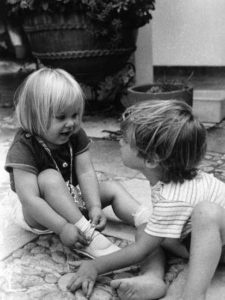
(114, 87)
(109, 17)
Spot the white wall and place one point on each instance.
(189, 33)
(143, 55)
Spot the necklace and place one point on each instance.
(65, 164)
(74, 191)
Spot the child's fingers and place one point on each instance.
(101, 223)
(98, 222)
(78, 245)
(87, 287)
(82, 239)
(74, 284)
(95, 221)
(90, 289)
(115, 283)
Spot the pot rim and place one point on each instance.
(180, 87)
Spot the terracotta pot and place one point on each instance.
(68, 42)
(139, 93)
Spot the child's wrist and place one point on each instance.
(61, 227)
(97, 269)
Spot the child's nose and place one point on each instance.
(70, 122)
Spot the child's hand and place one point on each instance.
(85, 277)
(97, 217)
(71, 236)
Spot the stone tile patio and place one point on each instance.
(31, 267)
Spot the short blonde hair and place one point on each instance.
(166, 132)
(43, 94)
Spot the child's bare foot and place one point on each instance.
(142, 287)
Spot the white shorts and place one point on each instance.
(17, 215)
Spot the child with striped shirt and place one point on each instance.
(166, 142)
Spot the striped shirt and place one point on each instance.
(173, 204)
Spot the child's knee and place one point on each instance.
(111, 189)
(113, 186)
(49, 177)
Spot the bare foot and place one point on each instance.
(139, 288)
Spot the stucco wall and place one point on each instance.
(143, 55)
(189, 33)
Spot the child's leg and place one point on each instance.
(208, 236)
(148, 285)
(123, 204)
(54, 191)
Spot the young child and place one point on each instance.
(49, 158)
(166, 142)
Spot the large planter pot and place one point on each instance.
(144, 92)
(68, 43)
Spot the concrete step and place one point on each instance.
(209, 105)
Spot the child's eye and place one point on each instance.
(60, 117)
(74, 116)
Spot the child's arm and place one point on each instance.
(89, 186)
(88, 271)
(39, 210)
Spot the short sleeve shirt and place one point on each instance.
(173, 204)
(28, 154)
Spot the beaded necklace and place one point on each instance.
(74, 191)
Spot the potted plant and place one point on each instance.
(180, 90)
(89, 38)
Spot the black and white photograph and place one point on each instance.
(112, 150)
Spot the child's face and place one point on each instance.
(130, 156)
(62, 126)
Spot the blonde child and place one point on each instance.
(49, 157)
(166, 142)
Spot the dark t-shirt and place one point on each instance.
(26, 153)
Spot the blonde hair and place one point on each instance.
(166, 132)
(43, 94)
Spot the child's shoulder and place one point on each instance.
(202, 175)
(21, 135)
(22, 140)
(201, 179)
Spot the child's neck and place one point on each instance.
(153, 175)
(53, 146)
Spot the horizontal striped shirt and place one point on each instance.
(173, 204)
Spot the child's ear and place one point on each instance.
(153, 163)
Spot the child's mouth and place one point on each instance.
(66, 134)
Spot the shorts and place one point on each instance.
(16, 213)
